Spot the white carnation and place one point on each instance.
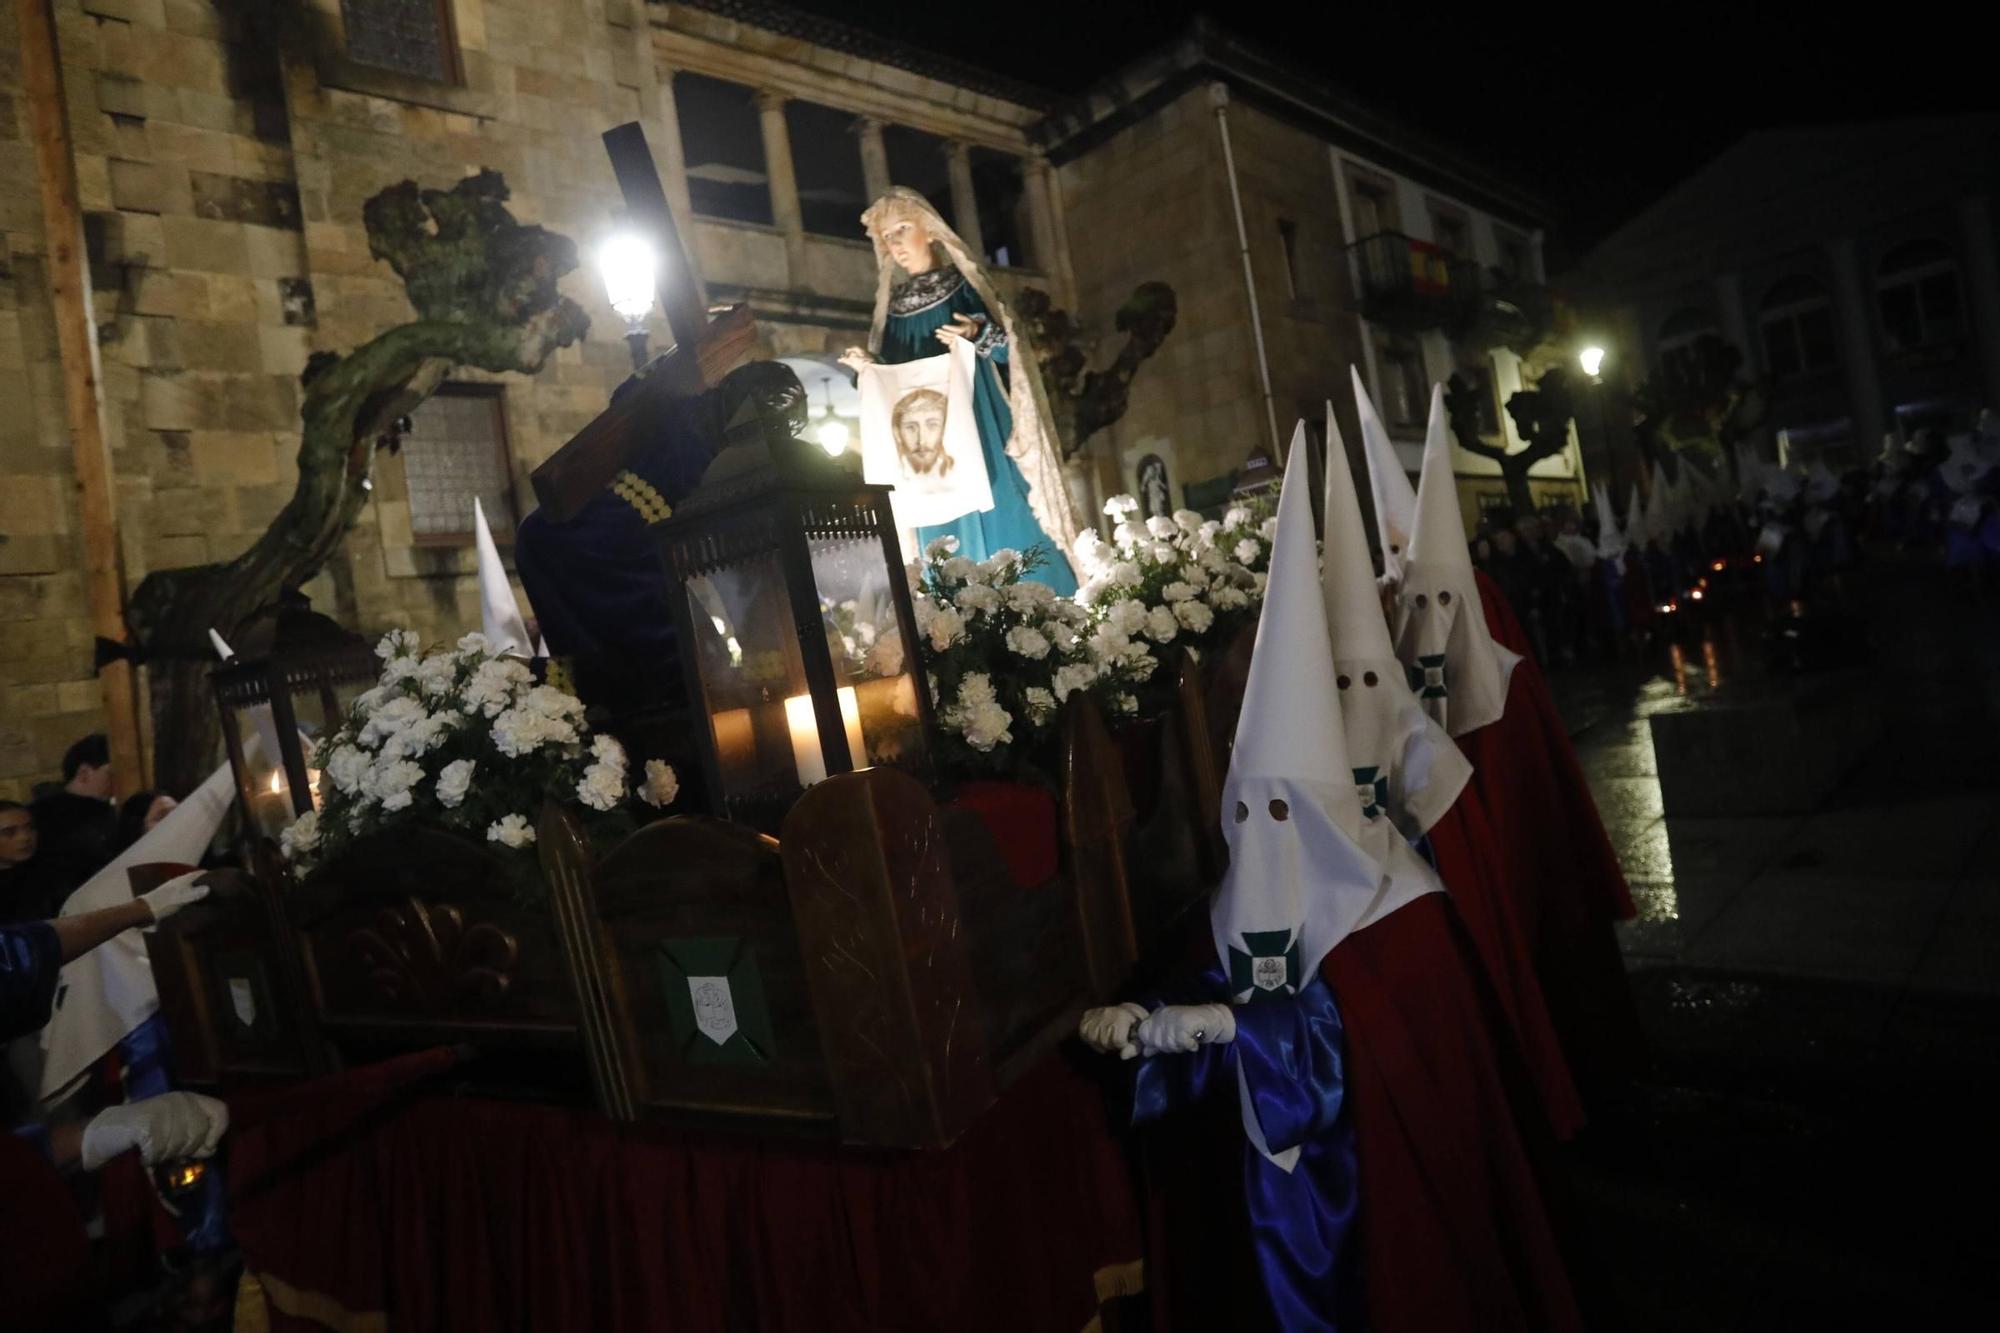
(979, 599)
(958, 569)
(1161, 526)
(454, 782)
(886, 657)
(1128, 616)
(1028, 641)
(1125, 536)
(477, 644)
(1124, 574)
(1247, 550)
(1269, 529)
(946, 627)
(396, 643)
(394, 783)
(493, 685)
(347, 769)
(1041, 704)
(511, 831)
(1235, 518)
(1120, 505)
(1194, 616)
(1002, 563)
(607, 750)
(1177, 592)
(390, 718)
(1069, 679)
(1187, 520)
(603, 786)
(661, 786)
(1162, 553)
(940, 547)
(300, 836)
(1161, 625)
(436, 675)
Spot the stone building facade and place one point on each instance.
(1856, 268)
(224, 148)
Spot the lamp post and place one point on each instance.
(1590, 359)
(630, 271)
(831, 431)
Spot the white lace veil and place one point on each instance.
(1033, 445)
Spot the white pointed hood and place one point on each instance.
(1610, 539)
(1407, 772)
(109, 991)
(1636, 535)
(1452, 662)
(1388, 484)
(1297, 879)
(500, 618)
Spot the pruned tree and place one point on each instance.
(1699, 401)
(1541, 418)
(1085, 401)
(484, 290)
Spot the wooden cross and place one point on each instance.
(704, 350)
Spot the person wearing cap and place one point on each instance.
(1386, 1179)
(1562, 878)
(1414, 782)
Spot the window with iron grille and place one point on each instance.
(455, 449)
(1404, 385)
(1374, 202)
(411, 37)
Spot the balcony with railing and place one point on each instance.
(1408, 286)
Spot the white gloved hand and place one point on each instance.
(175, 894)
(1177, 1029)
(166, 1128)
(1110, 1029)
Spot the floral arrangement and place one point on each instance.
(1182, 579)
(1004, 652)
(463, 739)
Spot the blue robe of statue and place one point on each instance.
(917, 310)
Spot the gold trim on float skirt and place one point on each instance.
(280, 1295)
(1113, 1282)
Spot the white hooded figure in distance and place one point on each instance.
(1407, 772)
(1457, 670)
(1388, 484)
(1299, 881)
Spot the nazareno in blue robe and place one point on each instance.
(1289, 1054)
(917, 310)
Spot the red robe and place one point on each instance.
(1453, 1228)
(1468, 861)
(1567, 887)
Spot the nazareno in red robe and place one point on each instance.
(1469, 862)
(1553, 855)
(1453, 1227)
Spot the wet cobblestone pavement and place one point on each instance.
(1813, 1146)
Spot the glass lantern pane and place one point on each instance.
(319, 709)
(753, 687)
(266, 794)
(872, 667)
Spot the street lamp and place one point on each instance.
(1592, 360)
(832, 431)
(631, 276)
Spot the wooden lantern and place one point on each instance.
(792, 610)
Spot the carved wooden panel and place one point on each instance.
(420, 937)
(885, 956)
(1097, 817)
(687, 888)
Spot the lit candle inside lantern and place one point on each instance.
(807, 757)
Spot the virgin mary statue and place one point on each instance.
(931, 292)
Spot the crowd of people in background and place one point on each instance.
(1588, 586)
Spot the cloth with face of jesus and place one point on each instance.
(916, 310)
(918, 434)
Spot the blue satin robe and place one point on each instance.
(1010, 523)
(1290, 1052)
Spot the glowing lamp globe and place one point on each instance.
(1592, 360)
(630, 273)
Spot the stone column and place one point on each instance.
(874, 157)
(784, 185)
(964, 204)
(1736, 322)
(1982, 282)
(1851, 298)
(1041, 217)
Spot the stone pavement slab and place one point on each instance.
(1855, 927)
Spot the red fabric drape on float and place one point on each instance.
(464, 1214)
(1453, 1230)
(1554, 854)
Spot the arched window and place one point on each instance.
(1916, 290)
(1679, 335)
(1797, 323)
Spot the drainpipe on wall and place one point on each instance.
(1218, 95)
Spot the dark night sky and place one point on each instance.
(1598, 113)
